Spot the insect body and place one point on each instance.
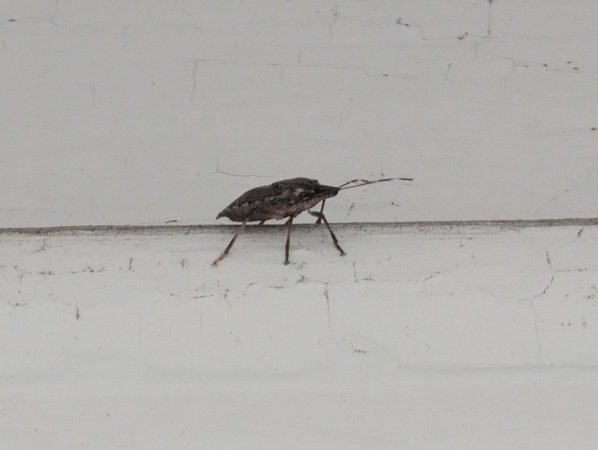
(285, 199)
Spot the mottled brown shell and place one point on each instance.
(278, 200)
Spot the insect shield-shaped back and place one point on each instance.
(286, 198)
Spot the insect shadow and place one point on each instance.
(286, 199)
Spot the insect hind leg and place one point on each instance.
(229, 246)
(319, 215)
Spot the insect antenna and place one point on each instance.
(366, 182)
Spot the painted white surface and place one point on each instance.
(144, 112)
(118, 112)
(418, 338)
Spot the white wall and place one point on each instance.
(419, 338)
(118, 112)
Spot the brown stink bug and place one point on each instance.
(285, 199)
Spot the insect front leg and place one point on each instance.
(319, 215)
(229, 246)
(288, 244)
(319, 220)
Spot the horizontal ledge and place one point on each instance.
(381, 226)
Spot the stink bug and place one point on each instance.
(286, 199)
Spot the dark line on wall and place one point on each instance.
(187, 229)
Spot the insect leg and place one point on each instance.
(287, 246)
(334, 239)
(321, 212)
(228, 247)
